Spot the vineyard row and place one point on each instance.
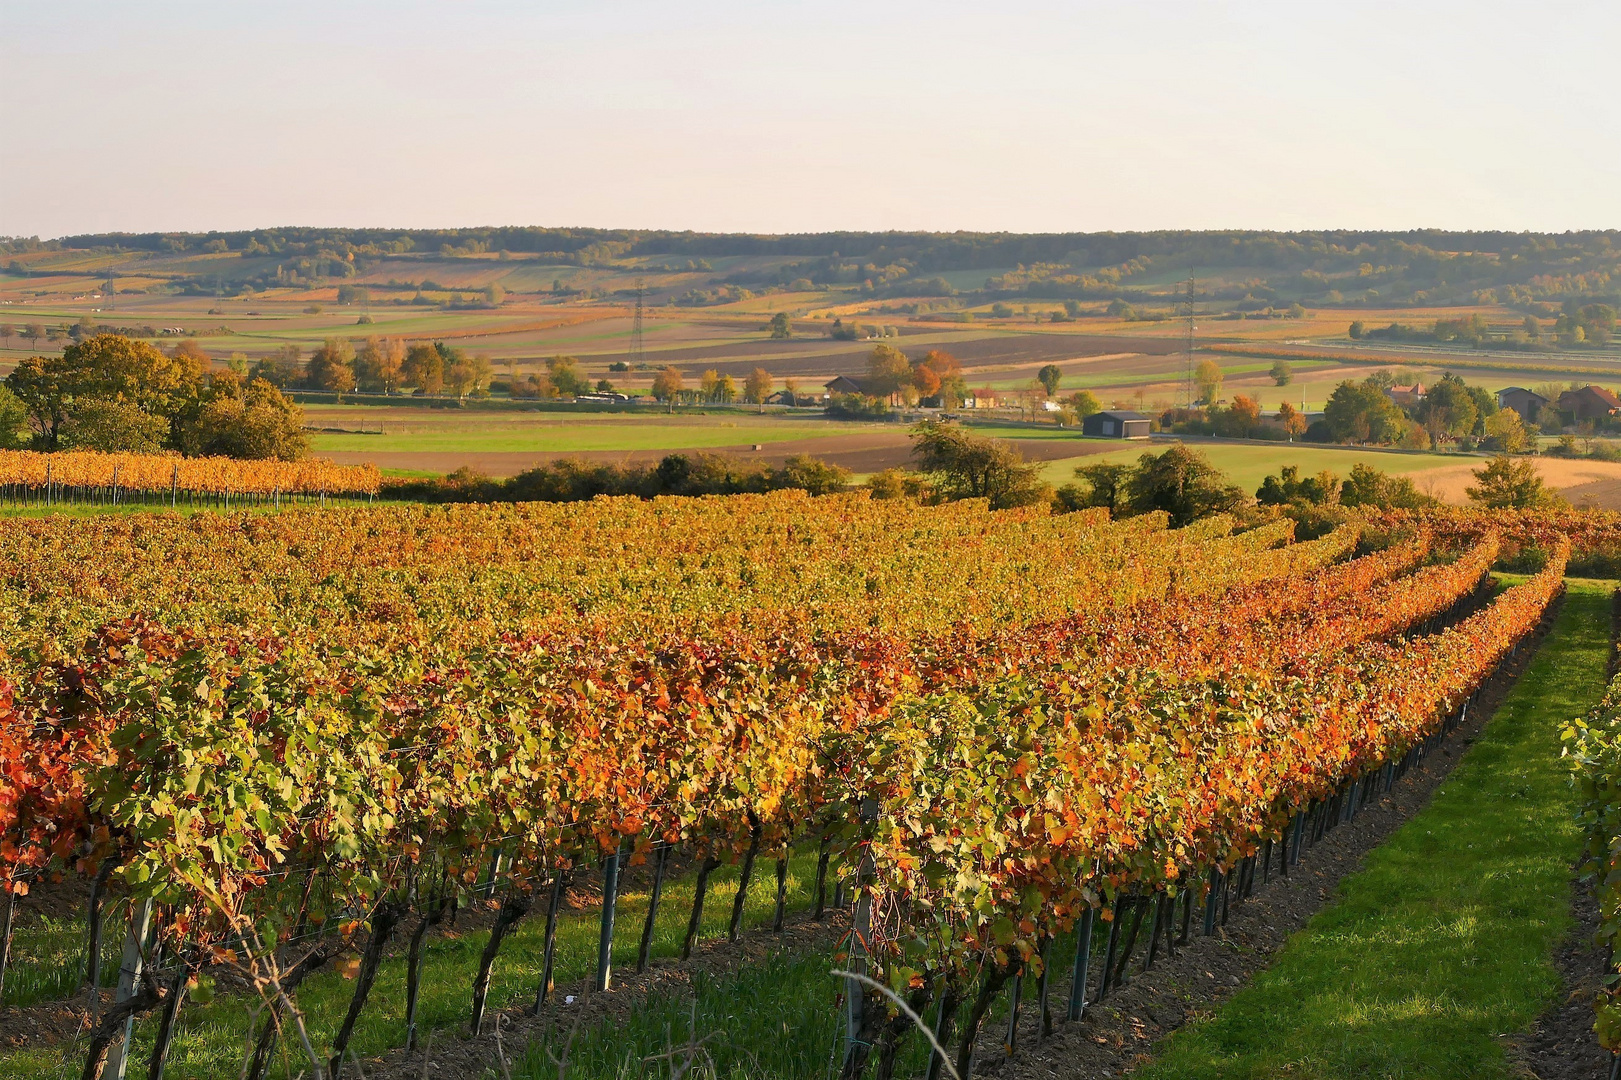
(84, 476)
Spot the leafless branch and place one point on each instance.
(917, 1020)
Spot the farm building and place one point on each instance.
(846, 384)
(1406, 396)
(983, 398)
(1116, 424)
(1527, 403)
(856, 384)
(1589, 403)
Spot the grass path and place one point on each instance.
(1443, 944)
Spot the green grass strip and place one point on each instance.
(1443, 945)
(209, 1039)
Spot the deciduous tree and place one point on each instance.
(424, 368)
(192, 360)
(758, 387)
(106, 367)
(112, 425)
(1240, 419)
(1362, 413)
(567, 376)
(1509, 483)
(1293, 421)
(1505, 431)
(1287, 487)
(14, 427)
(811, 474)
(1050, 376)
(1367, 486)
(1208, 377)
(965, 465)
(251, 420)
(1183, 483)
(925, 381)
(331, 367)
(1448, 411)
(887, 371)
(1085, 403)
(389, 364)
(466, 375)
(1104, 484)
(668, 384)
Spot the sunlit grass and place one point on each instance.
(210, 1039)
(1443, 944)
(48, 957)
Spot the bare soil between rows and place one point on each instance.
(1561, 1044)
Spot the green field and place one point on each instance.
(1248, 465)
(450, 431)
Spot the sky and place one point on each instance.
(780, 116)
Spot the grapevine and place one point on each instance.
(996, 722)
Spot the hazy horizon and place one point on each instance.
(790, 118)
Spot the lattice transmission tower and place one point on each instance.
(637, 355)
(1186, 311)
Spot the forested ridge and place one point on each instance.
(1326, 267)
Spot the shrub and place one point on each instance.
(857, 407)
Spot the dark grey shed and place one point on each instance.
(1116, 424)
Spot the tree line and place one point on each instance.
(1450, 412)
(381, 365)
(112, 393)
(578, 480)
(952, 462)
(1326, 267)
(1461, 253)
(1577, 324)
